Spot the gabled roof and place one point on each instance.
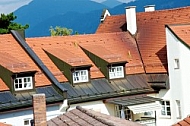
(85, 117)
(16, 60)
(182, 32)
(151, 37)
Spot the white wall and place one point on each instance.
(179, 78)
(98, 106)
(17, 118)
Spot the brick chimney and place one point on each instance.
(149, 8)
(131, 19)
(39, 110)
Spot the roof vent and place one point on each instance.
(149, 8)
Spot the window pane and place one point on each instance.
(20, 85)
(16, 80)
(16, 85)
(167, 103)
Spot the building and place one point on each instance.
(122, 70)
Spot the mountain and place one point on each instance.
(82, 23)
(82, 16)
(111, 3)
(38, 11)
(159, 5)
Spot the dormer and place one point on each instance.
(112, 65)
(17, 75)
(74, 67)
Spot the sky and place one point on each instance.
(8, 6)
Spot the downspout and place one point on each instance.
(37, 60)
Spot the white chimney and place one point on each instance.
(149, 8)
(131, 19)
(105, 13)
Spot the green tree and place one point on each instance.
(7, 24)
(60, 31)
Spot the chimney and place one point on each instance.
(149, 8)
(104, 14)
(131, 19)
(39, 110)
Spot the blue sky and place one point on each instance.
(8, 6)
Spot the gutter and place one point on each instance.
(55, 83)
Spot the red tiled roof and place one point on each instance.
(184, 122)
(182, 32)
(15, 59)
(150, 36)
(119, 46)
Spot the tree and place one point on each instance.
(7, 24)
(60, 31)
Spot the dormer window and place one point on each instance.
(80, 76)
(23, 83)
(116, 72)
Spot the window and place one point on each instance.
(176, 63)
(123, 112)
(27, 122)
(116, 72)
(22, 83)
(178, 109)
(80, 76)
(165, 111)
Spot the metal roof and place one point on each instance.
(132, 100)
(9, 101)
(101, 88)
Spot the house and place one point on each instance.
(122, 70)
(163, 50)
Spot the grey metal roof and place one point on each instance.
(132, 100)
(8, 101)
(102, 88)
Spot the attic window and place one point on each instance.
(80, 76)
(23, 83)
(116, 72)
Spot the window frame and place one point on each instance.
(114, 72)
(83, 76)
(164, 108)
(23, 82)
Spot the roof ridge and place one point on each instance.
(104, 121)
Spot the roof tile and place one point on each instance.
(150, 34)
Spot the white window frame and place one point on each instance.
(23, 83)
(165, 107)
(116, 72)
(80, 76)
